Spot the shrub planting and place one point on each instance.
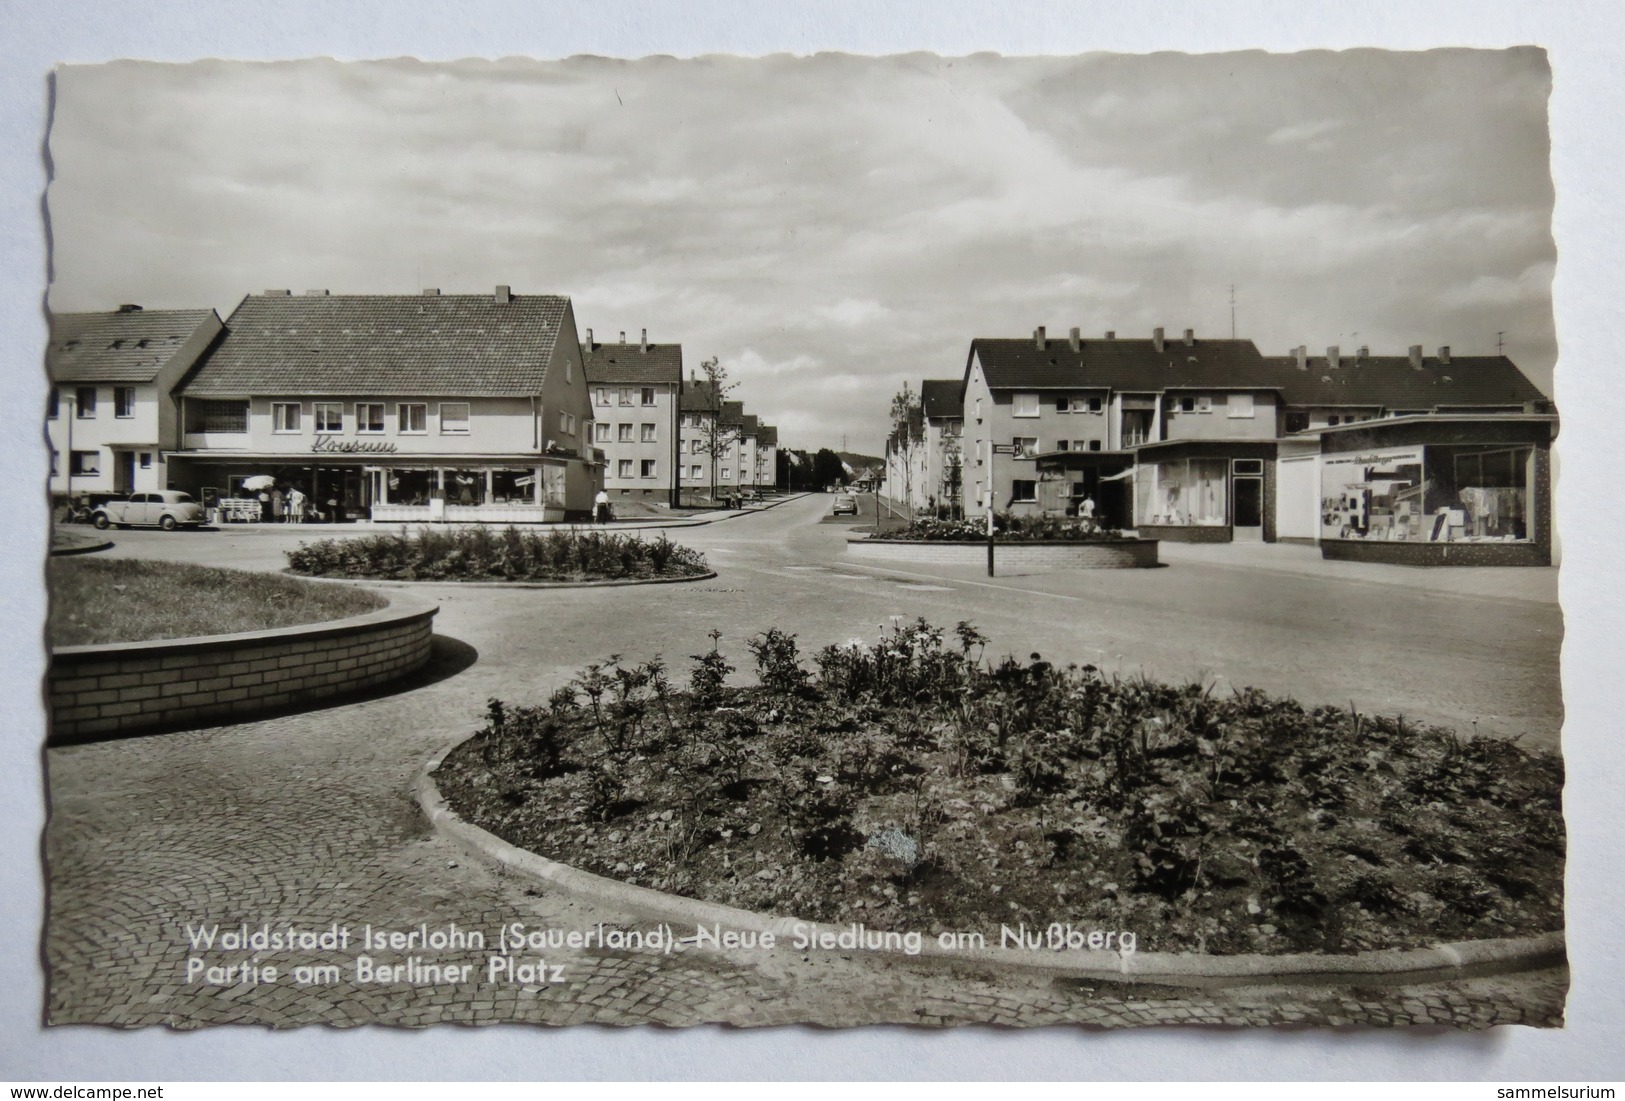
(1007, 528)
(509, 554)
(913, 784)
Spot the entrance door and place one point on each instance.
(1248, 514)
(123, 471)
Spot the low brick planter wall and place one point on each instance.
(136, 687)
(1122, 554)
(1188, 533)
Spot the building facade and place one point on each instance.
(637, 394)
(1425, 459)
(111, 419)
(396, 407)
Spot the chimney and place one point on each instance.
(1075, 339)
(1444, 354)
(1416, 356)
(504, 294)
(1157, 341)
(589, 338)
(1111, 334)
(1364, 352)
(316, 294)
(1301, 354)
(623, 336)
(129, 307)
(431, 292)
(1334, 357)
(645, 344)
(278, 294)
(1190, 337)
(1039, 338)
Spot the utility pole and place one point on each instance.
(1232, 311)
(1499, 342)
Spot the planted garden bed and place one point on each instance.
(107, 600)
(1007, 528)
(509, 554)
(911, 784)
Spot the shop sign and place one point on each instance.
(330, 445)
(1375, 458)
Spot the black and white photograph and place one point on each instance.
(824, 540)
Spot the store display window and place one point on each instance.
(1428, 495)
(1182, 493)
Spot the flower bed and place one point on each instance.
(481, 554)
(1007, 528)
(912, 785)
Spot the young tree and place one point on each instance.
(907, 436)
(716, 437)
(953, 479)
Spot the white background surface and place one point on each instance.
(1587, 127)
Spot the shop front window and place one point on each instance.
(410, 487)
(513, 487)
(465, 487)
(1428, 495)
(1182, 493)
(1380, 495)
(1485, 491)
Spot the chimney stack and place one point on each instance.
(1301, 354)
(431, 292)
(504, 294)
(1416, 356)
(129, 307)
(645, 346)
(1075, 339)
(278, 294)
(1157, 341)
(589, 338)
(316, 294)
(1111, 334)
(1039, 338)
(1334, 357)
(1444, 354)
(1190, 337)
(1364, 352)
(623, 336)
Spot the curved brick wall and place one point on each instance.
(132, 687)
(1125, 554)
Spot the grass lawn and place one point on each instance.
(911, 784)
(101, 600)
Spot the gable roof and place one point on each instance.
(122, 346)
(453, 345)
(1391, 382)
(697, 397)
(942, 397)
(633, 364)
(767, 435)
(1125, 364)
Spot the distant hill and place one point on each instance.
(860, 462)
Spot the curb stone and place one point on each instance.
(1385, 967)
(614, 584)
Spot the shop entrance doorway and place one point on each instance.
(1247, 509)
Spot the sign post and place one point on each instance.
(992, 450)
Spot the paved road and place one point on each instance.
(307, 819)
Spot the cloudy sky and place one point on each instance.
(833, 226)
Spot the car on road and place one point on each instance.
(168, 509)
(845, 505)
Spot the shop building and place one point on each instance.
(1428, 460)
(395, 408)
(637, 393)
(111, 419)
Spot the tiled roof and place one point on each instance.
(943, 397)
(452, 345)
(130, 346)
(750, 424)
(733, 412)
(1392, 383)
(697, 397)
(767, 436)
(1389, 382)
(631, 364)
(1132, 365)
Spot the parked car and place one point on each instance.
(167, 509)
(845, 505)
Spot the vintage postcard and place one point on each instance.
(835, 540)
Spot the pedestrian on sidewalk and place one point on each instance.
(296, 505)
(600, 508)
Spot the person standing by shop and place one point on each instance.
(600, 508)
(296, 506)
(278, 503)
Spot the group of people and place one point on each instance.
(279, 507)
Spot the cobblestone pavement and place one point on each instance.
(307, 820)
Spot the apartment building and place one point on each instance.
(396, 407)
(637, 392)
(111, 420)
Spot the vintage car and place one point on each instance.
(845, 504)
(167, 509)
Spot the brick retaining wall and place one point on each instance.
(1435, 554)
(134, 687)
(1119, 555)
